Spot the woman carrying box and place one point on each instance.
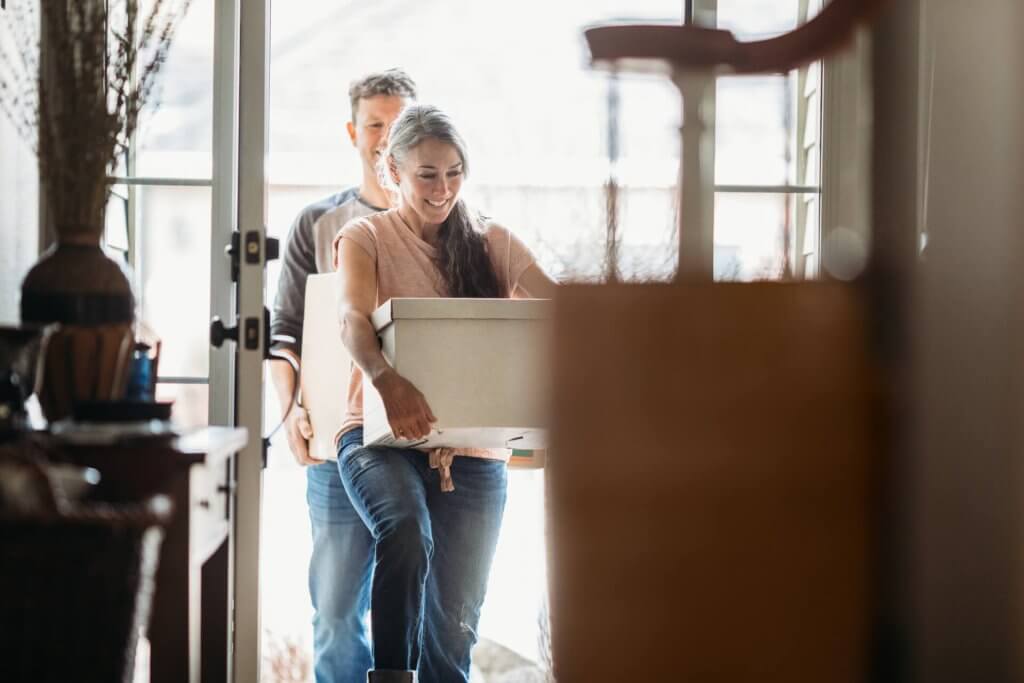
(435, 516)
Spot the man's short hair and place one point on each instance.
(394, 82)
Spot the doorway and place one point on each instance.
(545, 132)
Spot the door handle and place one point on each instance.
(219, 332)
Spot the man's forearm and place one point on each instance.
(284, 379)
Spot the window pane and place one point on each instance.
(564, 225)
(173, 268)
(758, 18)
(19, 168)
(174, 138)
(753, 136)
(537, 137)
(810, 213)
(648, 169)
(648, 10)
(115, 234)
(191, 403)
(648, 242)
(753, 235)
(19, 217)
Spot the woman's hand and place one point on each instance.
(408, 413)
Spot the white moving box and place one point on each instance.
(326, 365)
(481, 363)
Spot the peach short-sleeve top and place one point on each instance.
(407, 267)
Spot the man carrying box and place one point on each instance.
(339, 571)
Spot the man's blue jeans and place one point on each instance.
(432, 553)
(339, 579)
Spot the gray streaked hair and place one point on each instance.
(462, 255)
(419, 122)
(392, 82)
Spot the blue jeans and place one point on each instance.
(432, 553)
(339, 579)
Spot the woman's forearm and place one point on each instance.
(359, 337)
(409, 415)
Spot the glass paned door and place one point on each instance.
(160, 218)
(192, 176)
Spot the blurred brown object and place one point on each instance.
(711, 483)
(82, 363)
(83, 577)
(697, 47)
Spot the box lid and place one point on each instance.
(447, 309)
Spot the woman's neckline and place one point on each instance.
(405, 226)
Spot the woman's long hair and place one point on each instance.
(461, 250)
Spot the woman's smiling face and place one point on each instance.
(429, 179)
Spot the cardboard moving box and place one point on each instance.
(326, 365)
(480, 362)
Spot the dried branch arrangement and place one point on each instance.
(77, 103)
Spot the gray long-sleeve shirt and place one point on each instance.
(308, 251)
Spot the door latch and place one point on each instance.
(252, 250)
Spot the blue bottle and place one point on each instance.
(140, 379)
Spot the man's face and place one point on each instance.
(374, 116)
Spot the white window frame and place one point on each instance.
(846, 146)
(845, 115)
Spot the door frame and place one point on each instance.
(241, 70)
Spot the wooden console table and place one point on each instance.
(189, 627)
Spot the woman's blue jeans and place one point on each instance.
(432, 553)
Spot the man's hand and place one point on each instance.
(296, 422)
(300, 431)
